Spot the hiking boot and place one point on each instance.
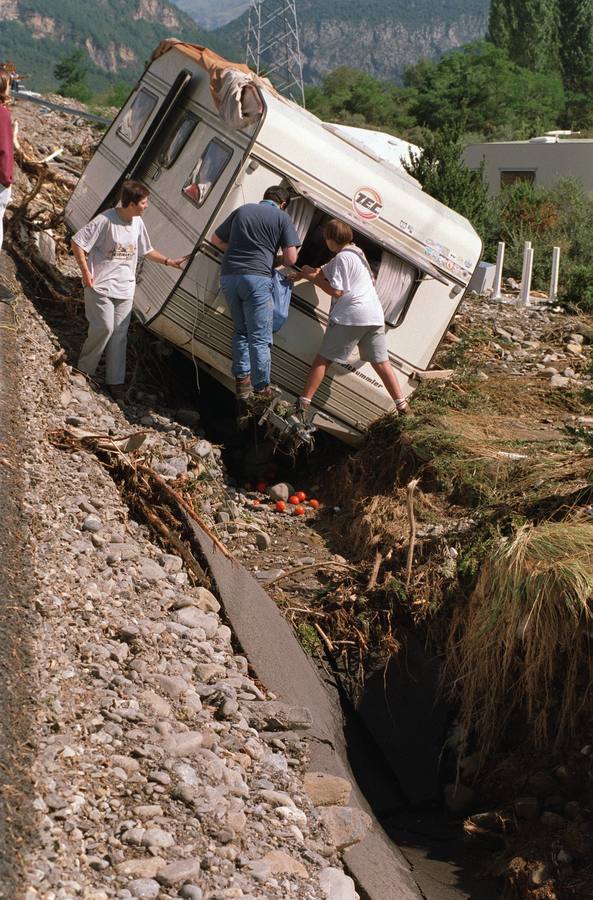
(117, 391)
(243, 387)
(260, 400)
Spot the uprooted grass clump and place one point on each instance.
(519, 650)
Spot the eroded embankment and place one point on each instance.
(18, 621)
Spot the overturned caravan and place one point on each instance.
(206, 136)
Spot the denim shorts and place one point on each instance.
(340, 341)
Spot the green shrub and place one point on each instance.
(560, 216)
(577, 286)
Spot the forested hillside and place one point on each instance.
(117, 36)
(381, 37)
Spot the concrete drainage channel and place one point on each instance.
(269, 643)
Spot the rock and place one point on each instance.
(92, 524)
(151, 571)
(269, 574)
(172, 563)
(193, 617)
(208, 672)
(159, 706)
(574, 349)
(191, 892)
(144, 888)
(572, 810)
(539, 874)
(163, 468)
(336, 885)
(559, 381)
(178, 464)
(184, 744)
(127, 763)
(281, 491)
(584, 330)
(206, 601)
(276, 862)
(327, 790)
(272, 715)
(459, 799)
(527, 809)
(346, 826)
(203, 449)
(179, 871)
(172, 685)
(542, 784)
(157, 837)
(148, 810)
(263, 540)
(145, 867)
(552, 820)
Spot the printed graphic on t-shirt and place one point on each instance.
(123, 251)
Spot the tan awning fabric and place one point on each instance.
(215, 65)
(341, 208)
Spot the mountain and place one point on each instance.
(118, 36)
(382, 37)
(210, 15)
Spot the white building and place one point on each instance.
(542, 161)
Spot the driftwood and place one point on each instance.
(412, 521)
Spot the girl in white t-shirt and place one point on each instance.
(356, 316)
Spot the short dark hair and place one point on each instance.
(278, 194)
(338, 231)
(133, 192)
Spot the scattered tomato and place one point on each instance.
(294, 500)
(280, 506)
(301, 495)
(314, 503)
(299, 510)
(255, 502)
(261, 486)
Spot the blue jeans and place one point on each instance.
(250, 301)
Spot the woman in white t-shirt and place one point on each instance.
(356, 315)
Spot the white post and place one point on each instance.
(555, 270)
(526, 277)
(498, 272)
(526, 247)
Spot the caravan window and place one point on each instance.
(395, 279)
(137, 115)
(178, 140)
(207, 171)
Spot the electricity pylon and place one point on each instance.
(273, 46)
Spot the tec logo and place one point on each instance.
(367, 203)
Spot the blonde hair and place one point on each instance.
(338, 231)
(4, 86)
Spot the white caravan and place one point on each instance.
(206, 136)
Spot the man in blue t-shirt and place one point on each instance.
(251, 237)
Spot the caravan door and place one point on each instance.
(188, 178)
(125, 146)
